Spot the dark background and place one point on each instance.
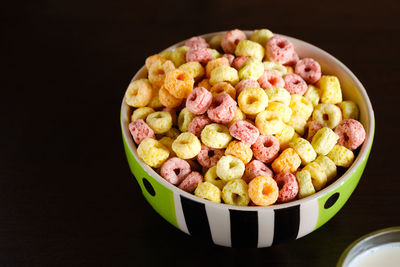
(67, 197)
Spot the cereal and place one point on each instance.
(261, 36)
(295, 84)
(244, 131)
(271, 79)
(197, 124)
(268, 123)
(191, 181)
(239, 115)
(304, 149)
(279, 95)
(285, 136)
(172, 111)
(167, 99)
(288, 186)
(238, 62)
(215, 41)
(158, 70)
(151, 59)
(269, 65)
(279, 50)
(251, 69)
(263, 190)
(140, 130)
(199, 100)
(351, 134)
(331, 92)
(223, 87)
(324, 140)
(287, 161)
(341, 156)
(139, 93)
(308, 69)
(197, 42)
(318, 175)
(301, 106)
(199, 54)
(184, 119)
(252, 100)
(194, 69)
(205, 83)
(312, 94)
(186, 146)
(215, 54)
(155, 102)
(230, 58)
(328, 115)
(250, 49)
(160, 121)
(224, 74)
(179, 83)
(173, 133)
(246, 83)
(294, 58)
(178, 56)
(280, 110)
(216, 136)
(312, 128)
(235, 193)
(230, 39)
(298, 123)
(141, 113)
(328, 166)
(208, 191)
(174, 170)
(211, 65)
(349, 110)
(222, 109)
(152, 152)
(239, 150)
(306, 188)
(266, 148)
(256, 168)
(212, 177)
(208, 157)
(229, 168)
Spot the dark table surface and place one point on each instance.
(67, 197)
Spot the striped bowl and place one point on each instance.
(265, 226)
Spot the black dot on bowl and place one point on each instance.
(149, 187)
(331, 200)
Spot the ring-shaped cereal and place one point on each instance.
(212, 177)
(301, 106)
(250, 49)
(351, 134)
(308, 69)
(222, 109)
(223, 87)
(179, 83)
(160, 121)
(211, 65)
(216, 136)
(306, 188)
(235, 192)
(238, 62)
(313, 94)
(312, 127)
(263, 190)
(199, 100)
(224, 74)
(349, 110)
(256, 168)
(324, 140)
(295, 84)
(269, 123)
(287, 161)
(197, 41)
(318, 175)
(186, 146)
(269, 65)
(271, 79)
(194, 69)
(282, 111)
(191, 181)
(251, 69)
(229, 168)
(197, 124)
(141, 113)
(178, 55)
(152, 152)
(139, 93)
(167, 99)
(174, 170)
(279, 50)
(208, 157)
(261, 36)
(184, 119)
(304, 149)
(230, 40)
(158, 70)
(252, 100)
(246, 83)
(199, 54)
(151, 59)
(328, 115)
(341, 156)
(239, 150)
(288, 186)
(266, 148)
(208, 191)
(140, 130)
(244, 131)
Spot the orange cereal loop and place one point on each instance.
(151, 59)
(263, 190)
(205, 83)
(240, 151)
(287, 161)
(179, 83)
(223, 87)
(167, 99)
(216, 63)
(158, 70)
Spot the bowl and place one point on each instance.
(265, 226)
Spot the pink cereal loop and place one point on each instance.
(351, 134)
(230, 39)
(256, 168)
(222, 109)
(266, 148)
(198, 124)
(271, 79)
(230, 58)
(191, 181)
(174, 170)
(199, 54)
(239, 61)
(244, 131)
(294, 84)
(312, 128)
(197, 42)
(246, 83)
(279, 50)
(199, 100)
(288, 185)
(308, 69)
(140, 130)
(209, 157)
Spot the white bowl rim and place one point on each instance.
(349, 172)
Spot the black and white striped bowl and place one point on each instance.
(235, 226)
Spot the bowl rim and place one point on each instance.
(363, 153)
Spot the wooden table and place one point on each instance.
(67, 197)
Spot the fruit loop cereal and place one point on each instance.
(243, 120)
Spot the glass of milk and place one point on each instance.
(380, 248)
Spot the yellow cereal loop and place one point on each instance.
(318, 175)
(280, 95)
(186, 146)
(139, 93)
(298, 123)
(341, 156)
(239, 116)
(235, 193)
(160, 121)
(349, 110)
(331, 92)
(166, 54)
(208, 191)
(194, 69)
(280, 110)
(215, 41)
(269, 65)
(155, 100)
(215, 54)
(304, 149)
(240, 151)
(185, 117)
(216, 135)
(141, 113)
(173, 133)
(328, 166)
(167, 142)
(151, 59)
(212, 177)
(312, 94)
(158, 70)
(306, 188)
(301, 106)
(152, 152)
(287, 161)
(229, 168)
(328, 115)
(212, 64)
(285, 136)
(205, 83)
(251, 69)
(178, 56)
(261, 36)
(252, 100)
(223, 87)
(324, 140)
(224, 74)
(268, 123)
(250, 49)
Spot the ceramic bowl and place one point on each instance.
(235, 226)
